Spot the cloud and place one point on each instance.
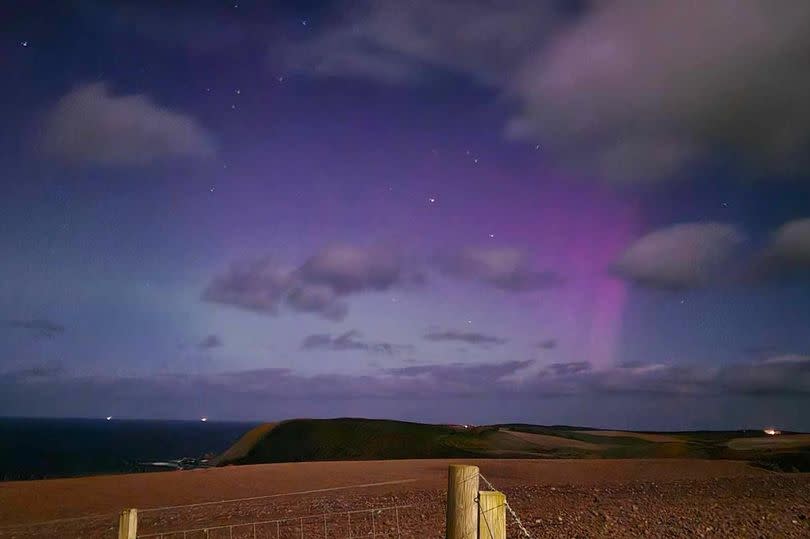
(319, 299)
(788, 255)
(505, 268)
(547, 344)
(657, 378)
(347, 269)
(210, 342)
(613, 84)
(466, 375)
(259, 285)
(40, 327)
(407, 42)
(680, 256)
(600, 85)
(573, 367)
(245, 394)
(350, 341)
(465, 337)
(317, 286)
(775, 375)
(90, 125)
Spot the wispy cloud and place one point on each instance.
(547, 344)
(469, 337)
(351, 341)
(506, 268)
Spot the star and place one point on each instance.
(305, 22)
(238, 91)
(24, 43)
(212, 189)
(432, 200)
(537, 147)
(492, 235)
(725, 204)
(233, 106)
(281, 78)
(475, 160)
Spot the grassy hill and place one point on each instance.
(374, 439)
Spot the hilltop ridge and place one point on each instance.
(298, 440)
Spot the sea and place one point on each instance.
(38, 448)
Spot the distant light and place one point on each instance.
(772, 432)
(109, 417)
(203, 419)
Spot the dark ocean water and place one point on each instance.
(46, 448)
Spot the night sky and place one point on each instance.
(592, 213)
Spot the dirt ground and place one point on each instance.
(554, 498)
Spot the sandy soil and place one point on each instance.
(555, 498)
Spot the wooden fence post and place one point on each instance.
(462, 510)
(491, 514)
(128, 524)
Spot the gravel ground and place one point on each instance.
(759, 505)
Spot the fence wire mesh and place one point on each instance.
(377, 522)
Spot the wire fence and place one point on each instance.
(512, 512)
(381, 521)
(377, 522)
(354, 524)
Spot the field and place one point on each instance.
(358, 477)
(367, 439)
(555, 498)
